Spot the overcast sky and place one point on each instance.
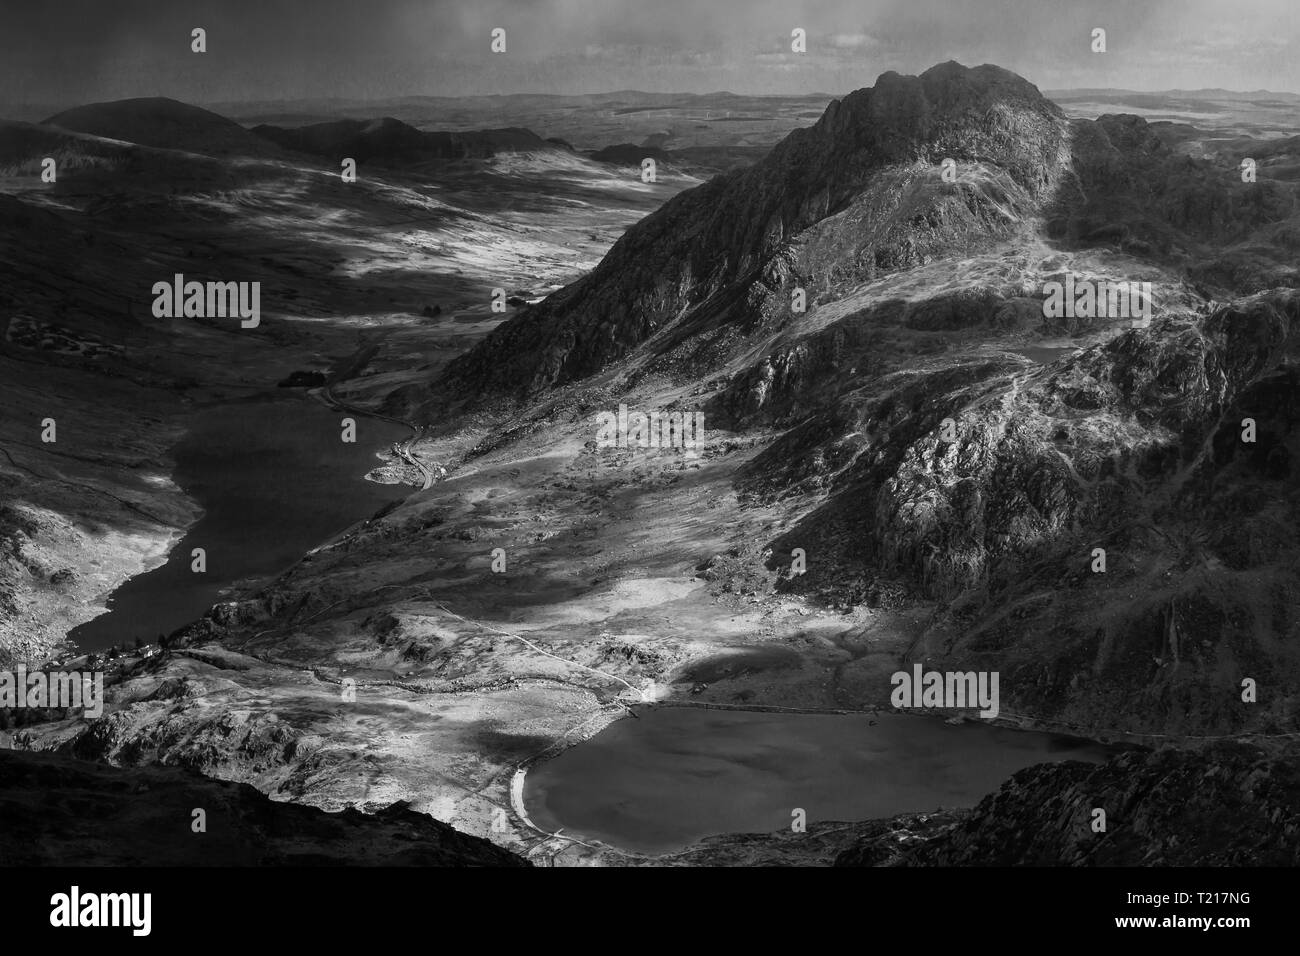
(75, 51)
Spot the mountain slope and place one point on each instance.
(55, 809)
(922, 298)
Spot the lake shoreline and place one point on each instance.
(525, 804)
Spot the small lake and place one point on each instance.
(1045, 354)
(274, 480)
(678, 774)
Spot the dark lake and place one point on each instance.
(1045, 354)
(274, 480)
(678, 774)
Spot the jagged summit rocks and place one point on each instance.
(968, 114)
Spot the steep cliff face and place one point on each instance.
(1227, 805)
(856, 195)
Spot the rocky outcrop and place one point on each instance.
(1134, 449)
(1131, 188)
(1226, 805)
(57, 811)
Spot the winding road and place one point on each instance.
(403, 449)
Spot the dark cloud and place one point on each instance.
(80, 50)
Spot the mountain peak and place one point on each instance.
(157, 110)
(917, 108)
(831, 206)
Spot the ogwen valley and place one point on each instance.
(358, 508)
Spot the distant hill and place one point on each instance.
(629, 154)
(1205, 94)
(165, 124)
(703, 162)
(390, 142)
